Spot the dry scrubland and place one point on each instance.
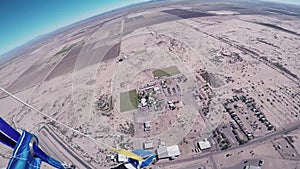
(235, 50)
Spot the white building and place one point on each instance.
(168, 152)
(157, 89)
(252, 167)
(121, 158)
(144, 102)
(147, 124)
(148, 145)
(204, 144)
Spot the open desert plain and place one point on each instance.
(216, 84)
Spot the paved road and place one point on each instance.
(51, 144)
(294, 126)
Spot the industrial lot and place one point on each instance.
(203, 85)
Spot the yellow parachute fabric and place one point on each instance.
(127, 154)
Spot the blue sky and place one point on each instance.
(23, 20)
(286, 1)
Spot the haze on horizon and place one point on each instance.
(22, 21)
(25, 20)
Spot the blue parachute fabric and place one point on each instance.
(22, 157)
(4, 139)
(133, 162)
(136, 164)
(142, 153)
(44, 157)
(148, 161)
(8, 131)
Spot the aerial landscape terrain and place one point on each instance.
(202, 84)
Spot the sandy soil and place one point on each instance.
(262, 61)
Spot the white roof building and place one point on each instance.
(168, 152)
(147, 124)
(204, 144)
(112, 157)
(148, 145)
(252, 167)
(121, 158)
(156, 89)
(144, 102)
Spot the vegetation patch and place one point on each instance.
(129, 101)
(168, 71)
(213, 79)
(65, 49)
(284, 69)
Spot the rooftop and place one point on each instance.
(147, 124)
(204, 144)
(121, 158)
(167, 152)
(252, 167)
(148, 145)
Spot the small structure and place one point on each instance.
(168, 152)
(121, 158)
(148, 145)
(172, 105)
(163, 84)
(252, 167)
(147, 124)
(112, 157)
(144, 102)
(204, 144)
(157, 89)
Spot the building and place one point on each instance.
(147, 124)
(144, 102)
(148, 145)
(121, 158)
(168, 152)
(112, 157)
(204, 144)
(171, 105)
(252, 167)
(157, 89)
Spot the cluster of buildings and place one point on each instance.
(162, 152)
(247, 129)
(251, 105)
(239, 122)
(172, 104)
(222, 139)
(262, 118)
(170, 88)
(148, 97)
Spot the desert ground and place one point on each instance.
(240, 65)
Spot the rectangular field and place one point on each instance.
(129, 100)
(168, 71)
(66, 65)
(185, 14)
(33, 75)
(113, 52)
(132, 25)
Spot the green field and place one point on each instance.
(65, 49)
(129, 100)
(168, 71)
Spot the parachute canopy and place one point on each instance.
(26, 154)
